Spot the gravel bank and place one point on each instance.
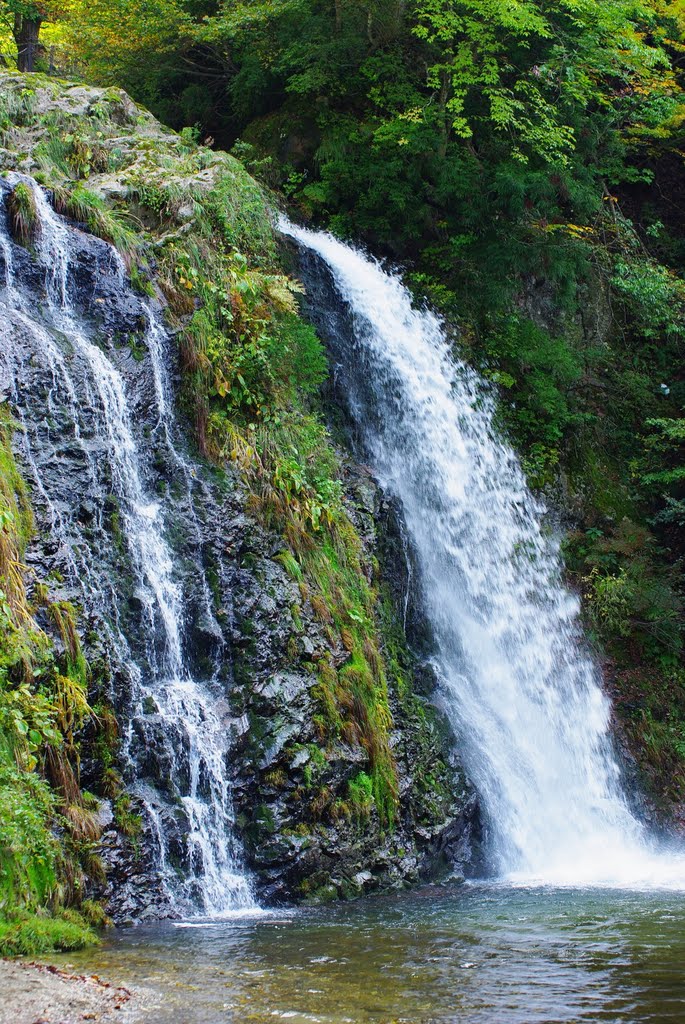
(32, 993)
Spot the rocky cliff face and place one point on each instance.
(303, 813)
(283, 781)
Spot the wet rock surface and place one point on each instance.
(281, 771)
(241, 636)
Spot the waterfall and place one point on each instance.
(520, 689)
(111, 426)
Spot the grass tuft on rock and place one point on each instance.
(28, 934)
(23, 214)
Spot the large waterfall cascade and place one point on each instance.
(521, 691)
(517, 683)
(88, 398)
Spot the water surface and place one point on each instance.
(477, 954)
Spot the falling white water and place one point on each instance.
(521, 691)
(187, 706)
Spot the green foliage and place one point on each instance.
(360, 795)
(611, 600)
(634, 607)
(23, 214)
(650, 709)
(125, 40)
(29, 852)
(353, 699)
(43, 705)
(128, 821)
(245, 351)
(26, 934)
(540, 370)
(662, 471)
(665, 454)
(655, 296)
(89, 209)
(628, 593)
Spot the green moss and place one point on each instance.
(302, 830)
(276, 777)
(263, 824)
(315, 766)
(137, 348)
(14, 495)
(360, 796)
(107, 738)
(322, 894)
(290, 564)
(140, 280)
(128, 821)
(36, 935)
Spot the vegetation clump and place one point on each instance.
(23, 215)
(43, 705)
(24, 934)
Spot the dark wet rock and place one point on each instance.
(240, 634)
(134, 891)
(279, 767)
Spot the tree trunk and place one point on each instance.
(26, 31)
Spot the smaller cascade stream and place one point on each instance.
(521, 691)
(111, 427)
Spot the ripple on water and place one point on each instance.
(480, 954)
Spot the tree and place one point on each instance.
(136, 44)
(25, 19)
(112, 37)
